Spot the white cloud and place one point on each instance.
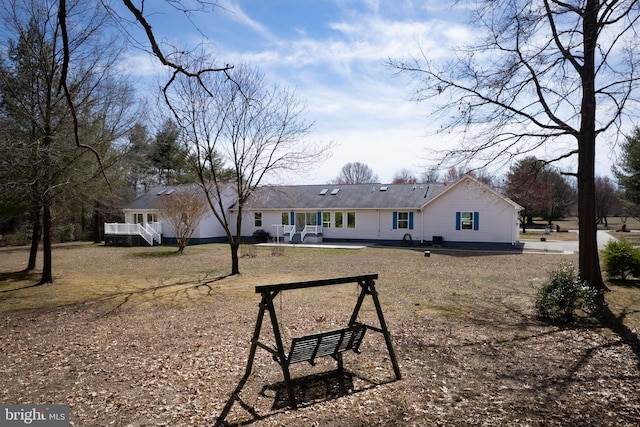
(351, 95)
(235, 12)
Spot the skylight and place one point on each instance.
(334, 191)
(160, 192)
(384, 188)
(324, 191)
(170, 191)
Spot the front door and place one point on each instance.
(301, 221)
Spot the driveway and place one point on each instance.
(565, 247)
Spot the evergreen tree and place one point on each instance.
(627, 171)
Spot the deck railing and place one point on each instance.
(282, 230)
(150, 232)
(152, 229)
(310, 229)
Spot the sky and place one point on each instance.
(333, 53)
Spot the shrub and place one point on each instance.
(21, 237)
(621, 259)
(261, 236)
(65, 233)
(564, 294)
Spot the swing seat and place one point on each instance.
(331, 343)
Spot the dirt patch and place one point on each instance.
(171, 348)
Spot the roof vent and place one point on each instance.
(334, 191)
(324, 191)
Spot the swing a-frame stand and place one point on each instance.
(311, 347)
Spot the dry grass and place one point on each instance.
(144, 336)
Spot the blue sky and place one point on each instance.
(332, 52)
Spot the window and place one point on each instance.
(285, 218)
(326, 219)
(257, 219)
(151, 217)
(138, 218)
(351, 220)
(337, 219)
(467, 220)
(403, 220)
(311, 218)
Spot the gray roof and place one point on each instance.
(348, 196)
(321, 197)
(150, 199)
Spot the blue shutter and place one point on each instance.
(395, 220)
(293, 218)
(319, 221)
(457, 220)
(476, 220)
(410, 220)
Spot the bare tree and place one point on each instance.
(546, 73)
(356, 173)
(404, 176)
(525, 185)
(430, 175)
(183, 210)
(606, 198)
(452, 175)
(244, 124)
(30, 82)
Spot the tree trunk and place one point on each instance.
(588, 258)
(36, 234)
(47, 276)
(235, 262)
(97, 235)
(235, 242)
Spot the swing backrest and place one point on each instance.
(310, 347)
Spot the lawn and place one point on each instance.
(144, 336)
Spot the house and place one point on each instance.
(465, 213)
(143, 220)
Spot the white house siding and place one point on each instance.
(496, 216)
(371, 225)
(366, 227)
(209, 230)
(269, 219)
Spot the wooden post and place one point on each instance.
(385, 331)
(284, 364)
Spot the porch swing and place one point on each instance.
(331, 343)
